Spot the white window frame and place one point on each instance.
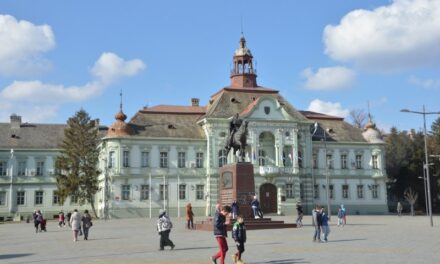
(145, 192)
(375, 161)
(360, 191)
(163, 159)
(200, 192)
(21, 168)
(40, 168)
(199, 160)
(181, 159)
(39, 197)
(358, 161)
(345, 191)
(145, 159)
(22, 198)
(289, 191)
(182, 191)
(344, 161)
(126, 159)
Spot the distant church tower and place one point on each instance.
(243, 73)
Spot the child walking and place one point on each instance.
(239, 236)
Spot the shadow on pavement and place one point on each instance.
(9, 256)
(346, 240)
(282, 261)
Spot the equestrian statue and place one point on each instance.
(237, 136)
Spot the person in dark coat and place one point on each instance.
(189, 216)
(220, 228)
(239, 236)
(86, 220)
(234, 207)
(300, 213)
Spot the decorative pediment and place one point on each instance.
(265, 107)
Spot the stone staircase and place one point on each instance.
(251, 224)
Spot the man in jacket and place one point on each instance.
(316, 218)
(164, 226)
(220, 233)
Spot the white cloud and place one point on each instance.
(110, 67)
(429, 84)
(402, 35)
(328, 108)
(22, 44)
(42, 100)
(332, 78)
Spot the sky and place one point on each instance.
(328, 56)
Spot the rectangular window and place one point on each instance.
(163, 192)
(125, 192)
(344, 161)
(358, 161)
(3, 168)
(55, 198)
(300, 159)
(182, 192)
(289, 190)
(360, 191)
(316, 191)
(21, 168)
(145, 192)
(261, 157)
(329, 161)
(200, 192)
(222, 158)
(2, 198)
(164, 159)
(375, 162)
(111, 159)
(181, 159)
(332, 196)
(345, 191)
(20, 197)
(301, 191)
(375, 191)
(145, 156)
(125, 159)
(73, 199)
(38, 197)
(315, 161)
(199, 160)
(40, 168)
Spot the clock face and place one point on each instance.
(226, 180)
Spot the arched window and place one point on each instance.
(222, 159)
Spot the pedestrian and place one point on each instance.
(43, 224)
(300, 213)
(239, 236)
(61, 219)
(69, 214)
(316, 215)
(234, 207)
(340, 217)
(255, 204)
(164, 226)
(344, 214)
(399, 209)
(220, 233)
(75, 223)
(86, 220)
(189, 216)
(324, 225)
(36, 216)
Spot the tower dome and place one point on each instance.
(119, 127)
(371, 133)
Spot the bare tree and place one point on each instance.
(358, 117)
(411, 196)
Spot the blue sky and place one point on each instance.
(325, 56)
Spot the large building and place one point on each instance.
(167, 156)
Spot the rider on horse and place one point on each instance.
(234, 125)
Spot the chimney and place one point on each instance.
(15, 121)
(195, 101)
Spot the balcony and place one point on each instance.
(273, 170)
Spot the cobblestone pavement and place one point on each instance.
(365, 239)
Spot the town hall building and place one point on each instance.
(167, 156)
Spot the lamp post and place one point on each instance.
(424, 187)
(11, 195)
(425, 165)
(327, 172)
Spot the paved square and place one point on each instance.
(366, 239)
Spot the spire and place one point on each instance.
(243, 73)
(120, 115)
(119, 127)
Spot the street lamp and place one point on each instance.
(327, 172)
(425, 165)
(11, 195)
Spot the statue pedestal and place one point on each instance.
(236, 182)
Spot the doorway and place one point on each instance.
(268, 198)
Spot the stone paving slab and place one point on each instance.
(365, 239)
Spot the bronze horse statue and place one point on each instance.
(238, 141)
